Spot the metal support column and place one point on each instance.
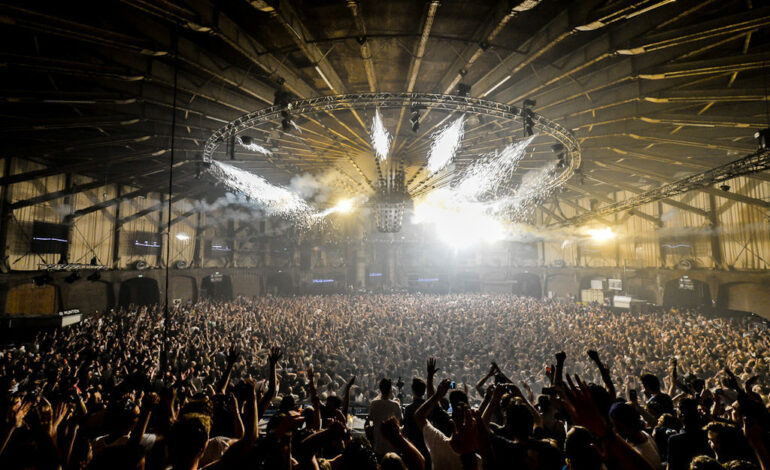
(716, 244)
(116, 231)
(5, 215)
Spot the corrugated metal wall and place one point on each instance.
(742, 232)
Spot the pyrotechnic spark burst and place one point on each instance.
(462, 218)
(445, 145)
(488, 173)
(276, 200)
(252, 146)
(380, 137)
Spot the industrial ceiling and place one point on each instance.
(654, 90)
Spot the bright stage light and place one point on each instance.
(601, 235)
(344, 206)
(181, 236)
(458, 223)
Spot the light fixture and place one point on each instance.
(72, 277)
(414, 119)
(95, 276)
(181, 236)
(601, 235)
(526, 113)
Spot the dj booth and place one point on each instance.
(60, 320)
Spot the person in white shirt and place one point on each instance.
(446, 452)
(381, 410)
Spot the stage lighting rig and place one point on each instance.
(392, 192)
(528, 115)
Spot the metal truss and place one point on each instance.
(433, 101)
(754, 163)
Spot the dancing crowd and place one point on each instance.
(444, 382)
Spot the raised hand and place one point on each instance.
(232, 355)
(150, 400)
(311, 381)
(60, 412)
(350, 383)
(390, 429)
(581, 406)
(464, 432)
(561, 356)
(432, 369)
(732, 381)
(275, 355)
(443, 387)
(593, 355)
(17, 412)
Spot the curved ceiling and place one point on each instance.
(654, 89)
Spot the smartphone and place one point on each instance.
(550, 391)
(452, 385)
(632, 394)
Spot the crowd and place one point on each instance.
(448, 382)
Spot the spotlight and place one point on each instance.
(42, 279)
(286, 124)
(246, 140)
(725, 187)
(414, 120)
(463, 89)
(763, 138)
(526, 113)
(95, 276)
(94, 261)
(72, 277)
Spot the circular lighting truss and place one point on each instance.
(392, 191)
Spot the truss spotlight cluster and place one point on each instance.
(487, 187)
(414, 119)
(528, 115)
